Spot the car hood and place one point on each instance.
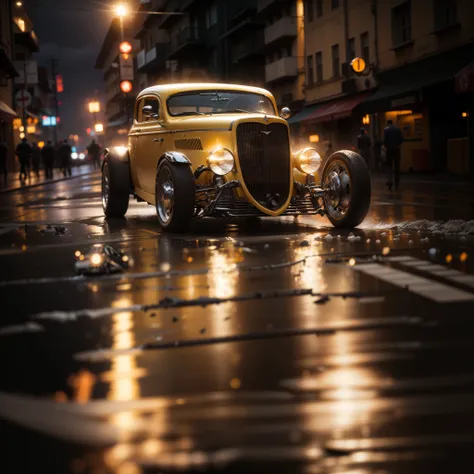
(218, 121)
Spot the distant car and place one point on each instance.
(223, 150)
(101, 259)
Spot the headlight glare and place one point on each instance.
(121, 150)
(221, 161)
(309, 161)
(96, 259)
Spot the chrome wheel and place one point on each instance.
(105, 185)
(337, 183)
(164, 195)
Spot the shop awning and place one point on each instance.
(464, 79)
(337, 109)
(410, 79)
(6, 113)
(302, 114)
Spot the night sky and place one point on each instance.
(72, 31)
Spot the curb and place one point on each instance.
(10, 190)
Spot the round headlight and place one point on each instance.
(221, 161)
(309, 161)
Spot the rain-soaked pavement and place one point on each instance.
(271, 346)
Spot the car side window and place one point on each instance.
(138, 110)
(155, 107)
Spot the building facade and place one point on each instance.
(413, 50)
(284, 35)
(118, 107)
(7, 74)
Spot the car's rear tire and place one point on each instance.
(174, 195)
(115, 187)
(347, 179)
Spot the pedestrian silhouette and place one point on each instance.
(393, 139)
(65, 152)
(3, 161)
(48, 159)
(23, 151)
(35, 158)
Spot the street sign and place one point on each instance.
(23, 98)
(126, 68)
(358, 65)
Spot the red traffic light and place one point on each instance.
(125, 47)
(126, 86)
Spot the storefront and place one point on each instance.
(336, 122)
(419, 98)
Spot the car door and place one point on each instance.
(149, 145)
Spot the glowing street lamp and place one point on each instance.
(121, 10)
(94, 107)
(99, 128)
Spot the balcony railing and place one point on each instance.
(250, 46)
(262, 4)
(191, 36)
(284, 68)
(283, 28)
(153, 59)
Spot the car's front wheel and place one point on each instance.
(174, 194)
(346, 180)
(115, 187)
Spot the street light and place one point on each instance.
(121, 10)
(94, 107)
(99, 128)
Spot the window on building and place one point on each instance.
(401, 24)
(309, 12)
(319, 66)
(213, 62)
(289, 51)
(211, 15)
(445, 13)
(309, 71)
(334, 4)
(319, 8)
(364, 47)
(336, 67)
(351, 46)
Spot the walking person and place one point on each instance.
(3, 161)
(392, 140)
(363, 144)
(35, 158)
(47, 154)
(94, 152)
(23, 151)
(65, 152)
(378, 143)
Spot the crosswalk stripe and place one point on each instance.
(451, 275)
(424, 287)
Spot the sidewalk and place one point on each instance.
(14, 184)
(427, 178)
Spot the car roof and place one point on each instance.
(170, 89)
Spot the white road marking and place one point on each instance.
(449, 274)
(429, 289)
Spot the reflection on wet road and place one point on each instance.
(284, 345)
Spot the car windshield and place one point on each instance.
(219, 102)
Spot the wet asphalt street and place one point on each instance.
(270, 346)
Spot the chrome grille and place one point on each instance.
(242, 208)
(264, 154)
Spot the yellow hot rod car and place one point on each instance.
(222, 150)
